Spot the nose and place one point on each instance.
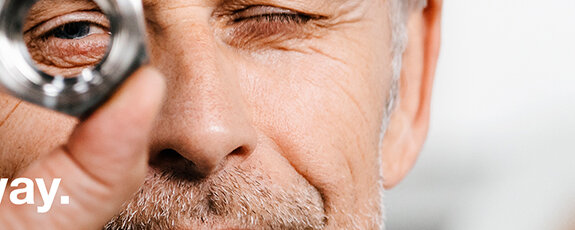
(204, 119)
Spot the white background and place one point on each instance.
(501, 148)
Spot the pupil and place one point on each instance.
(75, 30)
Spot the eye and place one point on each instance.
(263, 26)
(76, 30)
(67, 44)
(271, 14)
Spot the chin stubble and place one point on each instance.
(231, 198)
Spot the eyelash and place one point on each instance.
(54, 31)
(261, 26)
(278, 17)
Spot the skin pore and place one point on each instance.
(271, 119)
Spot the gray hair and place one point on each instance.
(398, 17)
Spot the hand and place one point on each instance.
(102, 165)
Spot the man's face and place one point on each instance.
(272, 118)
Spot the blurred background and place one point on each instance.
(500, 152)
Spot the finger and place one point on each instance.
(105, 160)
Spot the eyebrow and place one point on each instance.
(44, 10)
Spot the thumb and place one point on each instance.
(104, 162)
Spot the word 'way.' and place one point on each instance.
(23, 193)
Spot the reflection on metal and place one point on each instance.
(76, 96)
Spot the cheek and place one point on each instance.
(323, 113)
(27, 133)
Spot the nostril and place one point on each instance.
(166, 155)
(171, 162)
(238, 151)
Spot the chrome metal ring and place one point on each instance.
(76, 96)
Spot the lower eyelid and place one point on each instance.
(82, 46)
(63, 53)
(251, 34)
